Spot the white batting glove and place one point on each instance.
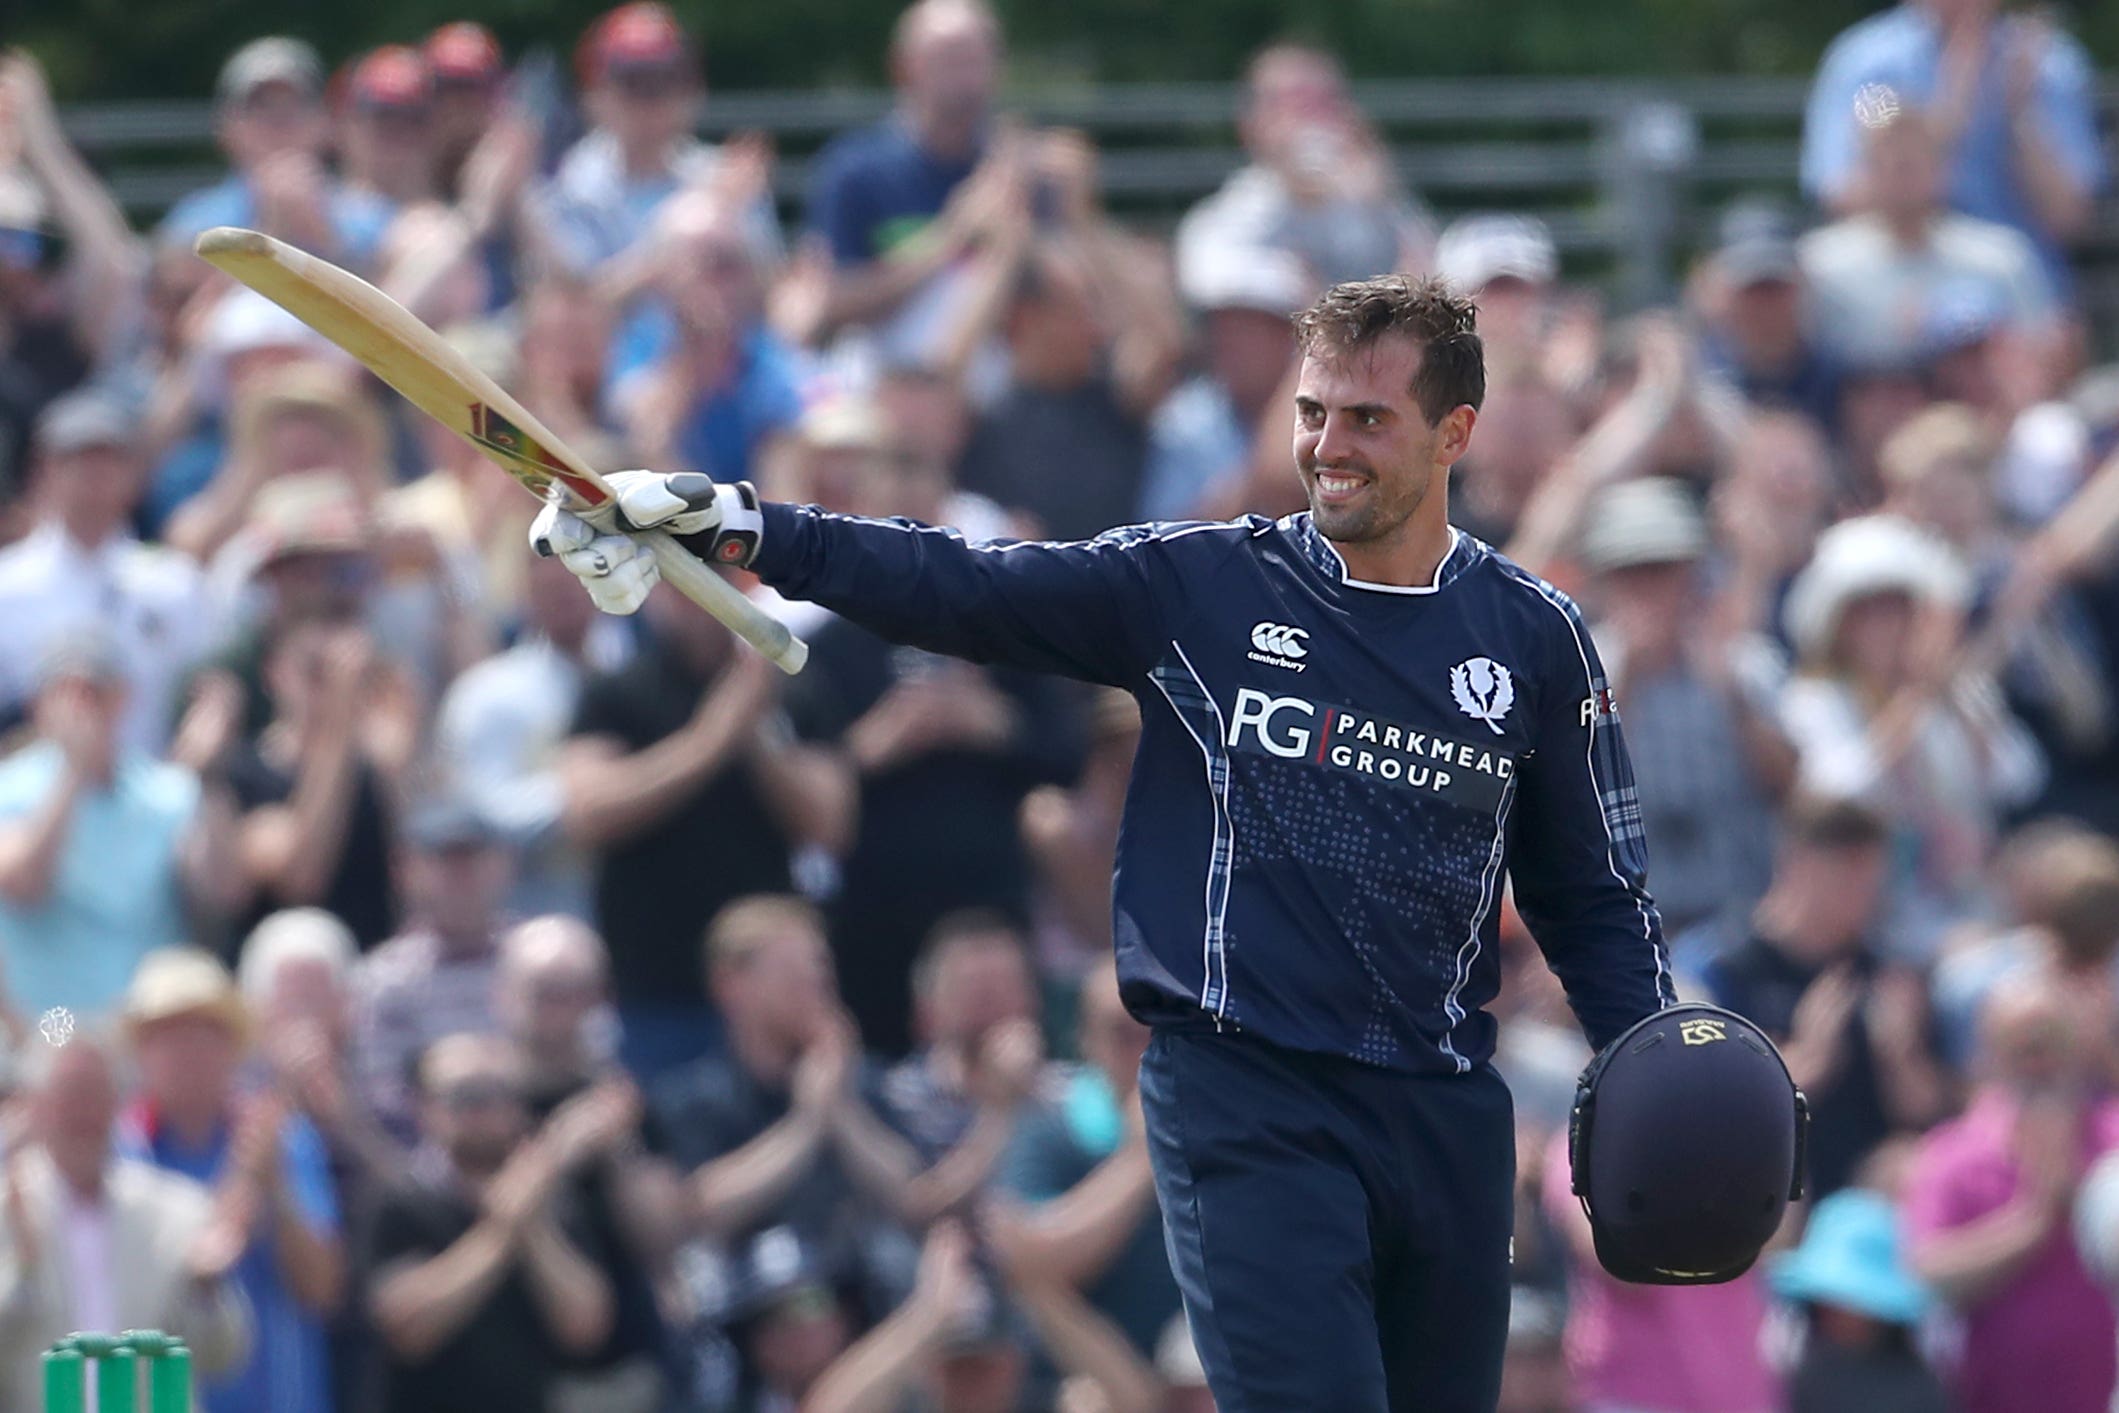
(617, 570)
(682, 502)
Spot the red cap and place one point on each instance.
(394, 76)
(642, 35)
(464, 51)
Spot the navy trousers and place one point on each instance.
(1340, 1232)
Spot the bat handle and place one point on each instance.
(693, 578)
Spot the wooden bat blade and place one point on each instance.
(391, 342)
(421, 365)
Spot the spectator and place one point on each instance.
(317, 787)
(889, 205)
(486, 1277)
(499, 728)
(1987, 1216)
(1654, 1349)
(1721, 765)
(105, 852)
(1526, 426)
(552, 998)
(1510, 264)
(1882, 275)
(435, 978)
(1093, 339)
(788, 1320)
(1079, 1164)
(1860, 1309)
(1320, 185)
(1203, 436)
(948, 1341)
(696, 377)
(1853, 1029)
(467, 65)
(2013, 106)
(296, 976)
(959, 1096)
(785, 1128)
(95, 1241)
(1071, 836)
(1883, 711)
(82, 571)
(2063, 880)
(1760, 331)
(264, 1164)
(643, 91)
(269, 119)
(683, 785)
(387, 128)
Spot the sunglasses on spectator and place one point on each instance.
(649, 83)
(481, 1094)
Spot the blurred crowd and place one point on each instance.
(424, 994)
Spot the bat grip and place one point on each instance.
(693, 578)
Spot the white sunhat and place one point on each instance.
(1476, 250)
(1647, 520)
(1870, 554)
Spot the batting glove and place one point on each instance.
(617, 570)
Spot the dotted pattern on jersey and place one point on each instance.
(1401, 871)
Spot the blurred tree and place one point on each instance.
(123, 48)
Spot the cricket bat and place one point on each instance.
(439, 381)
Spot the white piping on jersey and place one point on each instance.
(1221, 860)
(1456, 538)
(1468, 954)
(1663, 990)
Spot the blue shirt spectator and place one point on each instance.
(878, 187)
(759, 397)
(288, 1371)
(1904, 50)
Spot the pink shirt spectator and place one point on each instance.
(2043, 1343)
(1659, 1348)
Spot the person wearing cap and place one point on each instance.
(434, 977)
(1879, 275)
(1758, 327)
(269, 119)
(643, 90)
(1990, 1203)
(1203, 436)
(467, 64)
(1320, 186)
(82, 568)
(1510, 264)
(892, 206)
(387, 127)
(952, 1339)
(1721, 764)
(92, 1239)
(264, 1164)
(1880, 710)
(105, 851)
(2016, 99)
(785, 1318)
(1861, 1309)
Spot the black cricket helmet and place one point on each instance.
(1686, 1145)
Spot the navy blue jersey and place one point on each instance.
(1333, 780)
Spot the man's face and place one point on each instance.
(1766, 316)
(785, 986)
(1847, 883)
(1650, 599)
(458, 888)
(1905, 171)
(472, 1106)
(713, 278)
(275, 118)
(306, 991)
(647, 107)
(97, 485)
(981, 986)
(1247, 351)
(74, 1111)
(558, 996)
(187, 1057)
(952, 67)
(1366, 453)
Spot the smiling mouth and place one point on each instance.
(1333, 486)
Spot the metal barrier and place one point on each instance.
(116, 1360)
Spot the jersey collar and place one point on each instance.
(1324, 558)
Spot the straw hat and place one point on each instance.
(183, 981)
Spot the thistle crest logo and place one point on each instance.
(1484, 691)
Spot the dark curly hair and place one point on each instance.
(1444, 323)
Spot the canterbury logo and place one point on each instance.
(1280, 640)
(1702, 1032)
